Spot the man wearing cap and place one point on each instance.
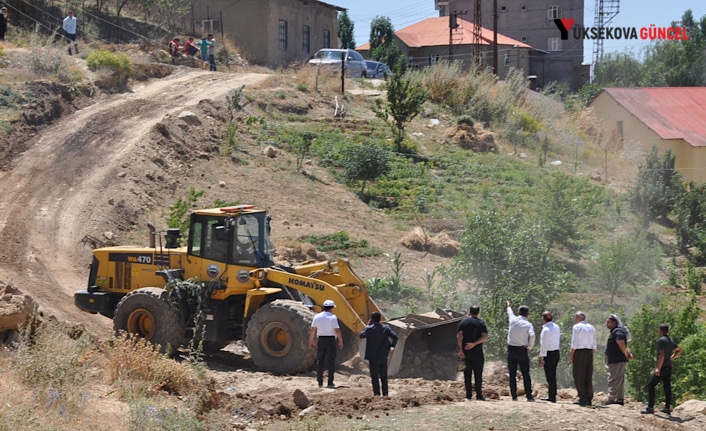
(325, 326)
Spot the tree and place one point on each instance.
(383, 46)
(690, 219)
(566, 209)
(404, 102)
(657, 188)
(505, 257)
(365, 163)
(301, 146)
(345, 30)
(626, 261)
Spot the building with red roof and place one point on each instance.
(671, 118)
(427, 42)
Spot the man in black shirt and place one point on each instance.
(666, 351)
(381, 341)
(470, 337)
(617, 357)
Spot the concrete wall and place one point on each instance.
(638, 139)
(253, 26)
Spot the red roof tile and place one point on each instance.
(435, 32)
(671, 112)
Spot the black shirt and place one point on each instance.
(472, 328)
(612, 350)
(665, 343)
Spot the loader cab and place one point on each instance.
(238, 237)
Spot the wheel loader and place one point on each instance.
(223, 286)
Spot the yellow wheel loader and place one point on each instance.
(223, 286)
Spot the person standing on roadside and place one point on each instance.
(667, 350)
(325, 327)
(3, 23)
(617, 357)
(203, 45)
(520, 339)
(69, 27)
(212, 53)
(471, 335)
(549, 352)
(381, 341)
(583, 347)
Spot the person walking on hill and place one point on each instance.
(617, 357)
(212, 53)
(471, 335)
(583, 347)
(3, 23)
(667, 350)
(549, 352)
(69, 25)
(520, 339)
(325, 327)
(381, 341)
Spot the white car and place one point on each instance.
(331, 58)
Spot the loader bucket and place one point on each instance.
(427, 345)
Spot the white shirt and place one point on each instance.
(325, 323)
(583, 336)
(520, 331)
(549, 338)
(212, 47)
(70, 25)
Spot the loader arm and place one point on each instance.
(326, 280)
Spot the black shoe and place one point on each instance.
(321, 385)
(331, 386)
(480, 398)
(666, 410)
(579, 403)
(609, 402)
(647, 411)
(551, 400)
(514, 398)
(530, 399)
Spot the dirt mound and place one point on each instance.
(441, 244)
(472, 137)
(15, 308)
(298, 253)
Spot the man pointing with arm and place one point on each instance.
(520, 339)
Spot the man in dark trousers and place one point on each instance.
(549, 340)
(583, 347)
(520, 339)
(667, 350)
(470, 337)
(325, 327)
(381, 341)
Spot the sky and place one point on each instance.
(633, 13)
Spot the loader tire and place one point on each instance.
(351, 344)
(278, 337)
(147, 314)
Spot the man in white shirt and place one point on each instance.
(583, 346)
(325, 326)
(549, 352)
(520, 339)
(69, 27)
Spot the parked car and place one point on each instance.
(331, 58)
(377, 69)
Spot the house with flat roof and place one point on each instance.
(269, 32)
(671, 118)
(427, 41)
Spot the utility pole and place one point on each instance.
(453, 25)
(495, 37)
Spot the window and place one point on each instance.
(432, 59)
(503, 8)
(305, 39)
(507, 60)
(208, 25)
(523, 8)
(554, 12)
(327, 39)
(554, 44)
(523, 39)
(282, 34)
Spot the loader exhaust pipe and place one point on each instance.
(153, 232)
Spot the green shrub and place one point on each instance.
(116, 62)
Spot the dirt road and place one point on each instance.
(69, 184)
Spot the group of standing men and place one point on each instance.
(472, 333)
